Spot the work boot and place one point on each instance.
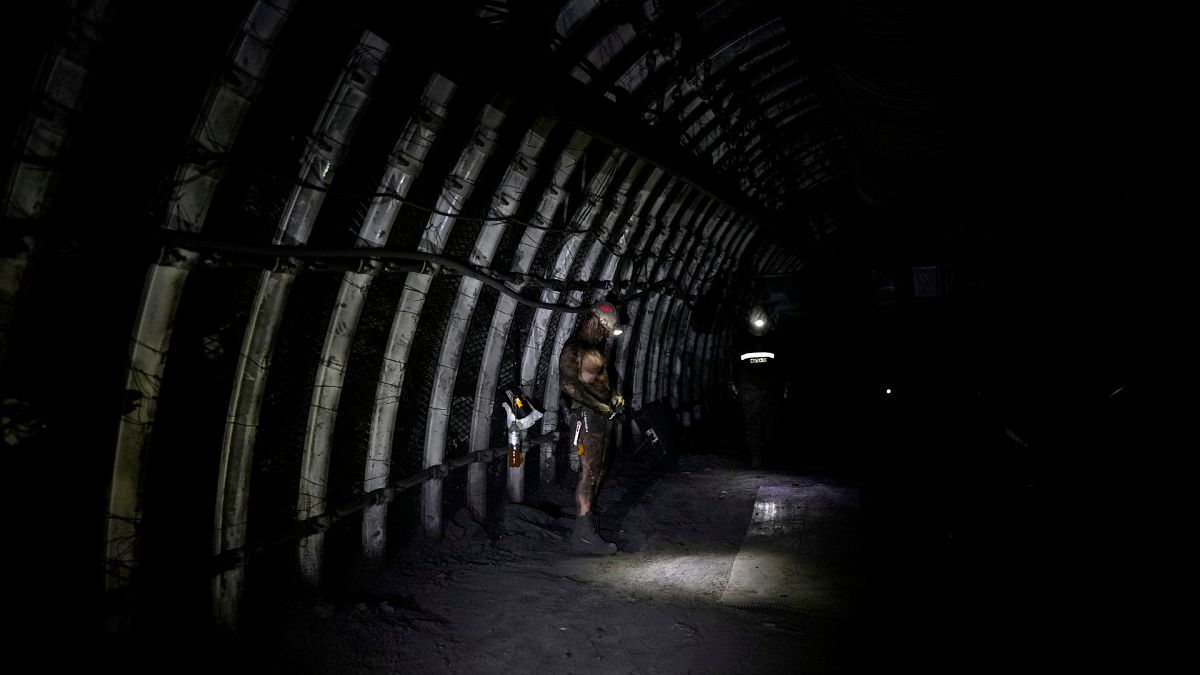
(585, 538)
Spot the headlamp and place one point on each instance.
(760, 322)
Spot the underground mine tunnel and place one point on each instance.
(353, 337)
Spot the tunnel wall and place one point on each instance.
(275, 267)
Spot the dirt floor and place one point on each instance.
(517, 601)
(847, 566)
(904, 551)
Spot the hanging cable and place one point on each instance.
(501, 281)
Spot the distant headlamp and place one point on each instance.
(759, 322)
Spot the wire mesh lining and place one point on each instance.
(478, 330)
(248, 205)
(422, 370)
(276, 132)
(394, 102)
(543, 262)
(676, 324)
(577, 263)
(250, 201)
(534, 191)
(342, 217)
(510, 364)
(457, 130)
(544, 358)
(184, 452)
(480, 326)
(461, 242)
(66, 340)
(357, 407)
(279, 445)
(426, 348)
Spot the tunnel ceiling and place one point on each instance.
(808, 117)
(797, 111)
(899, 121)
(731, 92)
(765, 103)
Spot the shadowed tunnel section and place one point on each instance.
(268, 270)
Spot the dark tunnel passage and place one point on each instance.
(271, 270)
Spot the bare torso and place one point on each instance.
(583, 374)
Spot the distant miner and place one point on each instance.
(759, 385)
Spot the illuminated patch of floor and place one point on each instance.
(798, 551)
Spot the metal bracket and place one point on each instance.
(369, 266)
(287, 265)
(180, 258)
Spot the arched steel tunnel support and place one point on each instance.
(729, 255)
(644, 309)
(716, 371)
(458, 187)
(699, 348)
(330, 137)
(678, 309)
(609, 271)
(621, 247)
(502, 317)
(664, 302)
(645, 368)
(626, 273)
(504, 204)
(63, 86)
(213, 134)
(404, 166)
(707, 270)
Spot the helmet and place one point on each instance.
(607, 315)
